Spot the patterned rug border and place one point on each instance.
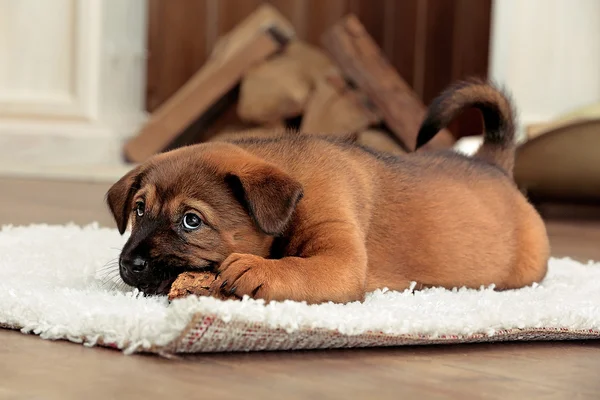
(208, 333)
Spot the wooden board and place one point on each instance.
(235, 40)
(261, 35)
(362, 61)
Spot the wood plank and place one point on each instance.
(63, 202)
(362, 61)
(470, 55)
(420, 47)
(372, 14)
(235, 40)
(232, 12)
(438, 48)
(154, 45)
(401, 39)
(177, 48)
(321, 15)
(294, 11)
(63, 370)
(210, 84)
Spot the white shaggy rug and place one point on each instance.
(53, 283)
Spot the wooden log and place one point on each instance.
(332, 110)
(380, 140)
(361, 60)
(266, 131)
(314, 61)
(263, 17)
(261, 35)
(273, 90)
(280, 87)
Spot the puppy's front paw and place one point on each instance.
(246, 274)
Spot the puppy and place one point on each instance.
(318, 219)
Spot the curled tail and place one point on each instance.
(498, 116)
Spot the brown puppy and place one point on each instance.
(319, 219)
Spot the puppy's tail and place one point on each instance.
(498, 116)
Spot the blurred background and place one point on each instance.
(80, 78)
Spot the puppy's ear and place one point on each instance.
(120, 196)
(269, 194)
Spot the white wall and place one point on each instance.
(547, 53)
(72, 79)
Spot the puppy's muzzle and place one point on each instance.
(149, 278)
(133, 270)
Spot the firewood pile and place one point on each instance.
(261, 80)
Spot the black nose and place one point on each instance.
(137, 264)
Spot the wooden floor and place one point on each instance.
(32, 368)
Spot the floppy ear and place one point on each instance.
(269, 194)
(120, 196)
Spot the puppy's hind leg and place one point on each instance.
(533, 252)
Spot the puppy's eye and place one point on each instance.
(140, 208)
(191, 221)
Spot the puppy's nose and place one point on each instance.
(138, 264)
(133, 265)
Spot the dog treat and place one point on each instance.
(201, 283)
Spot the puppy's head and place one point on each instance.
(190, 208)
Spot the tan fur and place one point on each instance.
(313, 219)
